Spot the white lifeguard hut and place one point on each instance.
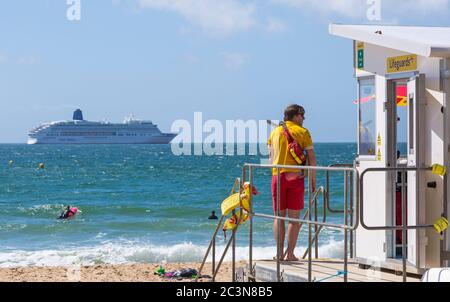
(396, 208)
(403, 75)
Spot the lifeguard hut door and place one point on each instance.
(417, 59)
(404, 115)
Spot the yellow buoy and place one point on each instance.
(439, 169)
(441, 225)
(41, 166)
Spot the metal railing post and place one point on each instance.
(316, 243)
(404, 224)
(250, 245)
(346, 223)
(351, 214)
(309, 228)
(214, 256)
(224, 253)
(279, 252)
(210, 246)
(233, 248)
(314, 199)
(327, 188)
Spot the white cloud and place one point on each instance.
(191, 58)
(233, 60)
(217, 17)
(184, 30)
(418, 6)
(358, 8)
(21, 60)
(26, 60)
(3, 59)
(350, 8)
(275, 25)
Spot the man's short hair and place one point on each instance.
(293, 110)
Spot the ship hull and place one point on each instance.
(79, 131)
(156, 140)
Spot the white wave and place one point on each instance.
(12, 227)
(333, 249)
(39, 209)
(131, 252)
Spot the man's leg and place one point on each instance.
(283, 231)
(293, 230)
(295, 203)
(282, 211)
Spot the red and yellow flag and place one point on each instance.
(365, 100)
(401, 97)
(402, 100)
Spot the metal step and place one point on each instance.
(323, 270)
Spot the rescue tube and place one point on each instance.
(73, 211)
(233, 201)
(232, 222)
(230, 204)
(70, 213)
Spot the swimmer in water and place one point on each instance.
(68, 212)
(213, 215)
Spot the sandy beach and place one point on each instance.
(109, 273)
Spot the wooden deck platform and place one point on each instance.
(325, 270)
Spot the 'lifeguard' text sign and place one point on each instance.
(401, 64)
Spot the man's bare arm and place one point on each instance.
(312, 162)
(270, 154)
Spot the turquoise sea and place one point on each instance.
(139, 203)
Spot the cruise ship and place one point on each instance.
(80, 131)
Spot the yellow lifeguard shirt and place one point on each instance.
(278, 145)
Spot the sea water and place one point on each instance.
(138, 203)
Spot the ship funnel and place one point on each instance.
(77, 115)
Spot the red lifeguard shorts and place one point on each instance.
(292, 193)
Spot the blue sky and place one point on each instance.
(165, 59)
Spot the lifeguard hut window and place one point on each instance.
(367, 117)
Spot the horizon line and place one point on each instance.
(318, 142)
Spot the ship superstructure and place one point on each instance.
(80, 131)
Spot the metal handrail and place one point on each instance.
(212, 243)
(404, 227)
(357, 208)
(328, 186)
(345, 201)
(315, 197)
(353, 226)
(361, 208)
(324, 219)
(309, 221)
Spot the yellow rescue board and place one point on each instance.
(229, 204)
